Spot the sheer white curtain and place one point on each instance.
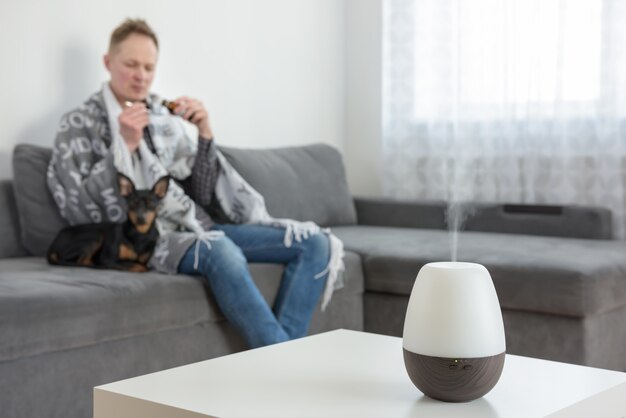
(506, 101)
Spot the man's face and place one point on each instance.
(131, 64)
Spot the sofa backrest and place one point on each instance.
(568, 221)
(306, 183)
(10, 244)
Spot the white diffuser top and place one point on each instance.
(454, 312)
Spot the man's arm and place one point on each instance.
(193, 111)
(201, 183)
(204, 173)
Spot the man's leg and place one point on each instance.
(226, 271)
(300, 290)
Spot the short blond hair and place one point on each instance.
(127, 28)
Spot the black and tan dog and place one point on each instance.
(121, 246)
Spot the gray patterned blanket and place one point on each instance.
(89, 150)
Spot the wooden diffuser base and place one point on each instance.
(453, 379)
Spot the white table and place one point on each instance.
(352, 374)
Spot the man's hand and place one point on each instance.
(133, 119)
(193, 110)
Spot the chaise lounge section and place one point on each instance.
(560, 278)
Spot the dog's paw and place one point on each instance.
(138, 268)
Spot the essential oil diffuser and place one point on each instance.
(453, 338)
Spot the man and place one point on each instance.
(125, 128)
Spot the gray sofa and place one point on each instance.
(65, 330)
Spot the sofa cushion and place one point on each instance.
(39, 216)
(564, 276)
(47, 308)
(307, 183)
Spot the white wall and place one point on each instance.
(270, 72)
(363, 95)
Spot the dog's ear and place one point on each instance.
(160, 187)
(126, 185)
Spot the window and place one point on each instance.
(473, 57)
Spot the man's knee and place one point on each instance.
(222, 251)
(317, 245)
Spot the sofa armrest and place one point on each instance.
(555, 221)
(396, 213)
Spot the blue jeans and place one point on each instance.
(224, 266)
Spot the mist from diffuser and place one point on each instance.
(453, 340)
